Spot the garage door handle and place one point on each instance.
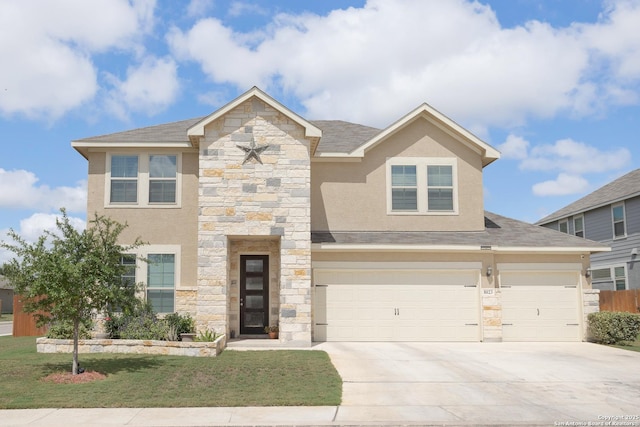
(573, 324)
(507, 324)
(322, 324)
(470, 324)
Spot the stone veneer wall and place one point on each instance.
(591, 304)
(491, 315)
(253, 199)
(168, 348)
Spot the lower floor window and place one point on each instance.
(161, 282)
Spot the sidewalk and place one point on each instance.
(240, 416)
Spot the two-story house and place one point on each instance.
(334, 231)
(610, 215)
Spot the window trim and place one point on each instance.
(575, 229)
(144, 180)
(624, 221)
(612, 275)
(421, 164)
(141, 271)
(566, 223)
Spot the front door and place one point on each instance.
(254, 293)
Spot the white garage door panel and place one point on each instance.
(381, 306)
(540, 306)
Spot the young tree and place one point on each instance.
(66, 274)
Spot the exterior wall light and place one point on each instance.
(489, 271)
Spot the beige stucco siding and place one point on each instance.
(351, 196)
(156, 226)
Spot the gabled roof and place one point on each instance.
(488, 153)
(197, 130)
(501, 234)
(623, 188)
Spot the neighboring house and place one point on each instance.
(610, 215)
(6, 296)
(334, 231)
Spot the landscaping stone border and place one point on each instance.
(151, 347)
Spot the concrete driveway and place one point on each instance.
(487, 383)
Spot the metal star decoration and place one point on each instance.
(252, 151)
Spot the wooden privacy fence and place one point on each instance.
(24, 324)
(628, 301)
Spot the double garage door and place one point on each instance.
(442, 305)
(398, 305)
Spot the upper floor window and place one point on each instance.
(124, 179)
(578, 225)
(617, 212)
(563, 226)
(143, 180)
(162, 179)
(421, 186)
(404, 188)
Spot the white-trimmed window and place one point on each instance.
(143, 180)
(610, 277)
(563, 226)
(618, 217)
(422, 186)
(578, 225)
(161, 282)
(159, 274)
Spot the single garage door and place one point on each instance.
(540, 306)
(398, 305)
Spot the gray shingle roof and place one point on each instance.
(342, 137)
(337, 136)
(166, 132)
(620, 189)
(499, 231)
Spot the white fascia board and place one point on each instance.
(337, 247)
(197, 130)
(551, 249)
(335, 157)
(333, 247)
(390, 266)
(84, 147)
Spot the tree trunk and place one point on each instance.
(76, 333)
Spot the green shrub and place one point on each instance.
(64, 330)
(609, 327)
(207, 336)
(179, 324)
(137, 323)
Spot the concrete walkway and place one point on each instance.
(446, 384)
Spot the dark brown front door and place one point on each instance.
(254, 293)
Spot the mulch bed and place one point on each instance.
(69, 378)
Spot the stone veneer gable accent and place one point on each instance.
(250, 200)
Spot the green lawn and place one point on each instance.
(633, 346)
(234, 378)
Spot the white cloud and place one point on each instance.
(355, 64)
(198, 8)
(514, 147)
(33, 227)
(149, 88)
(238, 8)
(575, 158)
(19, 189)
(564, 185)
(48, 46)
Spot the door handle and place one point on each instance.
(538, 311)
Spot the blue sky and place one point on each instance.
(553, 84)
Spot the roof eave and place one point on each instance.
(361, 247)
